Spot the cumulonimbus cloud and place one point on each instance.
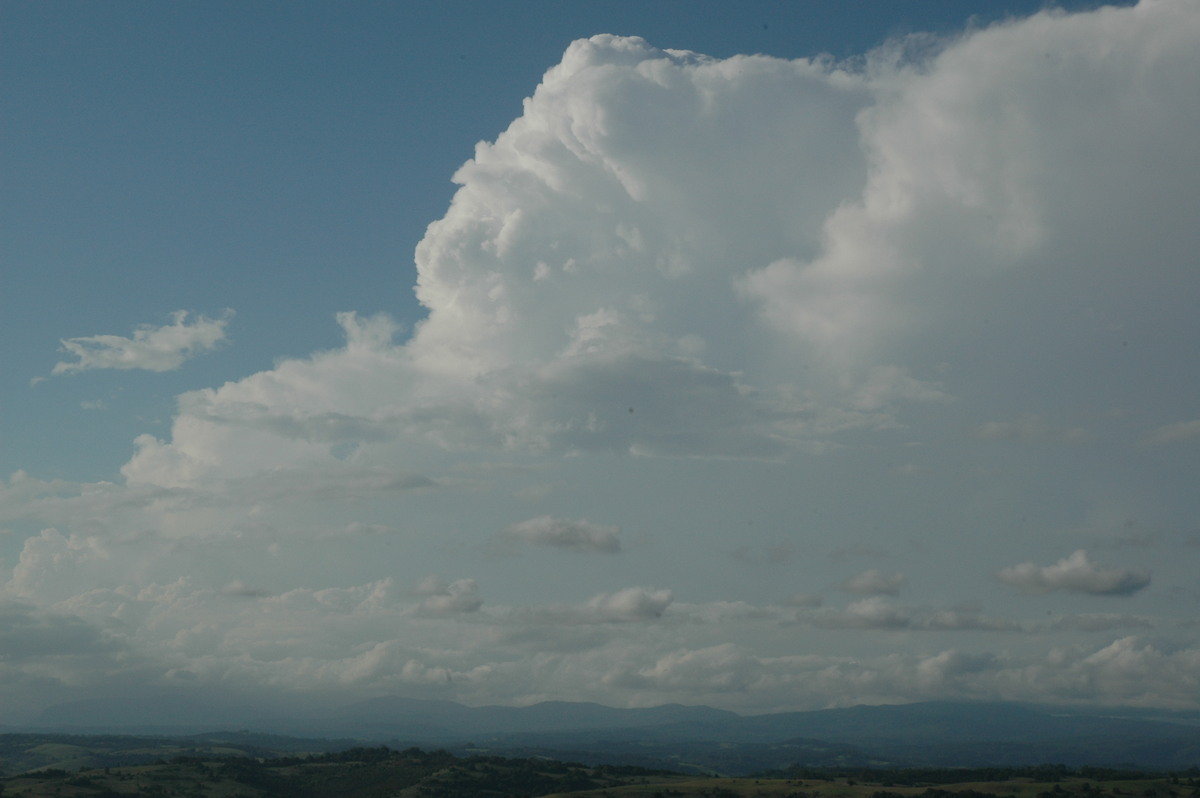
(564, 285)
(151, 348)
(668, 255)
(1076, 574)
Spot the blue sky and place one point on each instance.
(859, 370)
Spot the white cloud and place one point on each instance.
(868, 613)
(1128, 671)
(53, 566)
(878, 614)
(978, 180)
(372, 638)
(717, 669)
(947, 665)
(151, 348)
(875, 583)
(630, 604)
(886, 385)
(601, 283)
(600, 347)
(1075, 573)
(569, 535)
(242, 590)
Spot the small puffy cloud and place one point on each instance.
(630, 604)
(239, 589)
(875, 583)
(869, 613)
(151, 348)
(1076, 574)
(566, 534)
(949, 664)
(715, 669)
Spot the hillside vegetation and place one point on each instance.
(231, 771)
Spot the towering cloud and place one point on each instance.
(740, 302)
(669, 254)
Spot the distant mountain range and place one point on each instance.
(934, 734)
